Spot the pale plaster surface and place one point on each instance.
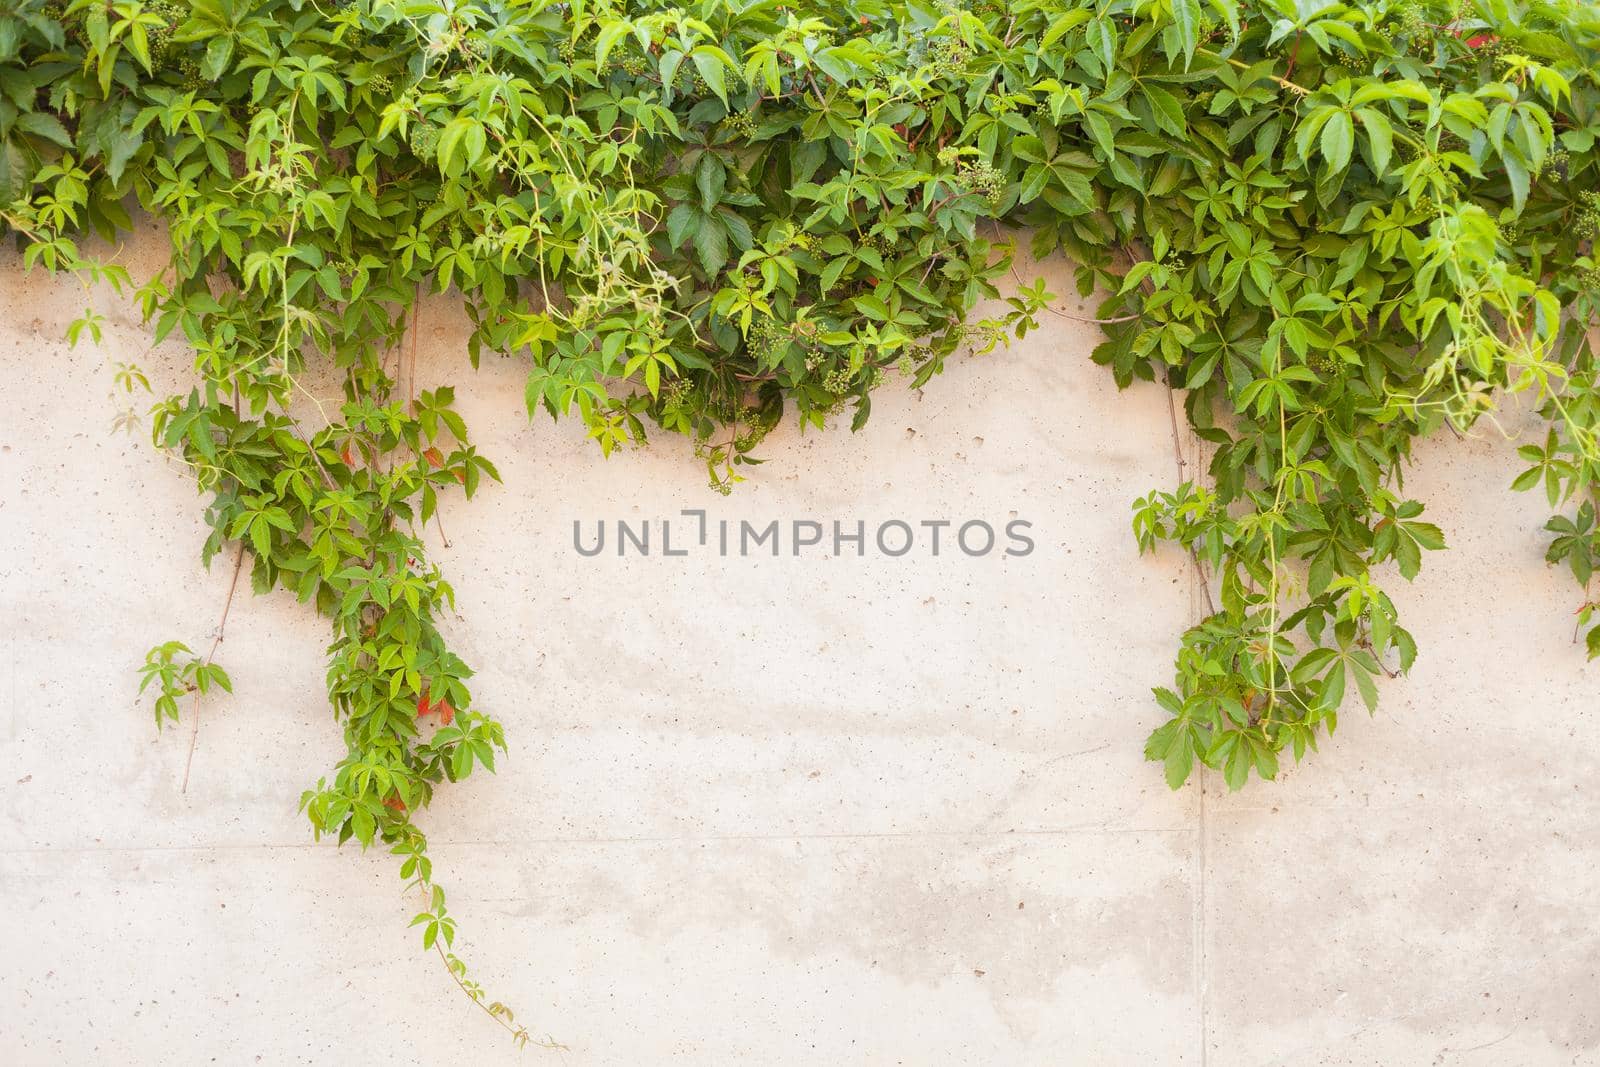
(787, 811)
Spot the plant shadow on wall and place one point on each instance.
(1335, 228)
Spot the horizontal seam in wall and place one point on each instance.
(1085, 831)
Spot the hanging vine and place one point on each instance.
(1335, 228)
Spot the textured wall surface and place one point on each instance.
(799, 810)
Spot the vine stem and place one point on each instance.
(511, 1028)
(1588, 597)
(1137, 252)
(517, 1031)
(413, 328)
(456, 978)
(1085, 318)
(1183, 465)
(1284, 83)
(222, 623)
(998, 236)
(1272, 551)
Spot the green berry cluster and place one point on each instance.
(677, 396)
(1406, 28)
(189, 74)
(1413, 24)
(976, 336)
(946, 58)
(878, 242)
(984, 179)
(159, 38)
(768, 341)
(1325, 363)
(837, 381)
(740, 124)
(1357, 506)
(1588, 224)
(1492, 49)
(424, 139)
(73, 24)
(757, 425)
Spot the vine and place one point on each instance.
(1333, 228)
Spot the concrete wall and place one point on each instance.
(814, 810)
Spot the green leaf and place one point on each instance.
(1380, 138)
(1100, 130)
(219, 54)
(461, 141)
(711, 178)
(710, 63)
(1166, 108)
(43, 124)
(1179, 762)
(1062, 25)
(711, 244)
(1338, 140)
(1186, 20)
(15, 171)
(682, 223)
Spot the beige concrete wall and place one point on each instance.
(779, 811)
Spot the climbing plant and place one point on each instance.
(1332, 227)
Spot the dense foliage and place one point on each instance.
(1335, 226)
